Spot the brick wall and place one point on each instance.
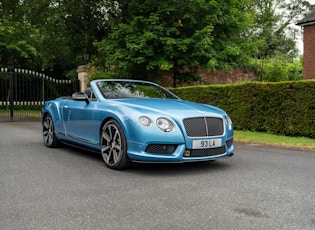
(309, 52)
(209, 77)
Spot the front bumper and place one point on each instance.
(180, 154)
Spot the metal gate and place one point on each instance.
(23, 92)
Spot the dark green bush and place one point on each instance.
(286, 108)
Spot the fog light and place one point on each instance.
(187, 153)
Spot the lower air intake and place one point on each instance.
(160, 149)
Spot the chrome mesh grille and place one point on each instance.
(207, 152)
(203, 126)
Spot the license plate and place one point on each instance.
(207, 144)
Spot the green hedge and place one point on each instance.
(286, 108)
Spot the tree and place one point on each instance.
(141, 38)
(17, 37)
(177, 36)
(274, 26)
(51, 34)
(68, 29)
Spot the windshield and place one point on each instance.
(133, 89)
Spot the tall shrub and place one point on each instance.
(278, 69)
(286, 108)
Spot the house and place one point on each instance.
(308, 24)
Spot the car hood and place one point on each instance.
(171, 107)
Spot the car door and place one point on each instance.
(79, 120)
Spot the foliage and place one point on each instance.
(278, 69)
(51, 35)
(285, 108)
(274, 26)
(177, 36)
(295, 70)
(97, 73)
(17, 38)
(141, 38)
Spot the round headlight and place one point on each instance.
(145, 121)
(165, 124)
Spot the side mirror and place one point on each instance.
(80, 96)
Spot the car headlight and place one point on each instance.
(145, 121)
(165, 124)
(228, 122)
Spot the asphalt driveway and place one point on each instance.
(66, 188)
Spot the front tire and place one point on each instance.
(49, 135)
(114, 146)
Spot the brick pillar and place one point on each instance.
(83, 77)
(309, 51)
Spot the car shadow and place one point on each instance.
(157, 169)
(87, 154)
(187, 168)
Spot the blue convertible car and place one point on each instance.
(137, 121)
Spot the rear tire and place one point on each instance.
(49, 135)
(114, 145)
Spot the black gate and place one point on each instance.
(23, 92)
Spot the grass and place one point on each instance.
(25, 112)
(270, 139)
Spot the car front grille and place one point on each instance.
(203, 126)
(207, 152)
(160, 149)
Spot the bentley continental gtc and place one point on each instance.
(137, 121)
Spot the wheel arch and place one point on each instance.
(49, 134)
(103, 123)
(125, 124)
(45, 113)
(51, 108)
(119, 120)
